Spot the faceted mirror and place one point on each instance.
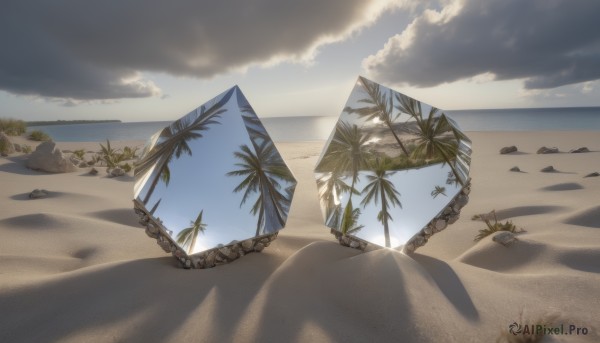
(212, 186)
(393, 171)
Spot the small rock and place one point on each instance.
(580, 150)
(452, 219)
(440, 225)
(117, 172)
(247, 245)
(74, 160)
(38, 194)
(544, 150)
(259, 247)
(17, 147)
(594, 174)
(93, 171)
(225, 251)
(505, 238)
(354, 244)
(427, 231)
(548, 169)
(83, 164)
(515, 169)
(508, 149)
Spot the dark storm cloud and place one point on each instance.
(95, 49)
(549, 43)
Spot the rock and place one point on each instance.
(515, 169)
(580, 150)
(508, 149)
(440, 224)
(427, 231)
(117, 172)
(49, 158)
(354, 244)
(544, 150)
(83, 164)
(548, 169)
(259, 247)
(247, 245)
(38, 194)
(17, 147)
(74, 160)
(505, 238)
(594, 174)
(6, 146)
(453, 218)
(93, 171)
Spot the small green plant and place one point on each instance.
(495, 227)
(13, 127)
(129, 153)
(80, 154)
(26, 149)
(4, 146)
(109, 155)
(126, 167)
(39, 136)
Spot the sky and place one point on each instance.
(147, 60)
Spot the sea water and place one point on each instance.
(319, 128)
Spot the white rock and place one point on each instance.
(117, 172)
(505, 238)
(440, 224)
(49, 158)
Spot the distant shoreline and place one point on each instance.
(69, 122)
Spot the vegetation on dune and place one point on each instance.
(114, 158)
(39, 136)
(495, 227)
(13, 127)
(80, 153)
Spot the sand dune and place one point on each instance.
(77, 266)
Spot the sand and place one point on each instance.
(77, 267)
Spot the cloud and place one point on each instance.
(87, 50)
(548, 43)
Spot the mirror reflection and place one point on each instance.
(214, 177)
(390, 166)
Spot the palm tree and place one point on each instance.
(437, 191)
(173, 142)
(380, 106)
(347, 154)
(380, 188)
(435, 135)
(262, 173)
(330, 188)
(187, 237)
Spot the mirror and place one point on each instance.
(394, 170)
(211, 186)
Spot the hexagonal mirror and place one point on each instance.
(211, 186)
(393, 172)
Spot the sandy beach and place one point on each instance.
(77, 266)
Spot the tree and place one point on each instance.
(348, 153)
(380, 106)
(435, 135)
(187, 237)
(381, 189)
(263, 171)
(173, 142)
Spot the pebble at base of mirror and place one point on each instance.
(209, 258)
(448, 216)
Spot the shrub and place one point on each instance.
(491, 228)
(80, 154)
(129, 153)
(39, 136)
(13, 127)
(126, 167)
(26, 149)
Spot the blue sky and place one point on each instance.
(155, 60)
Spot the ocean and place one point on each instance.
(319, 128)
